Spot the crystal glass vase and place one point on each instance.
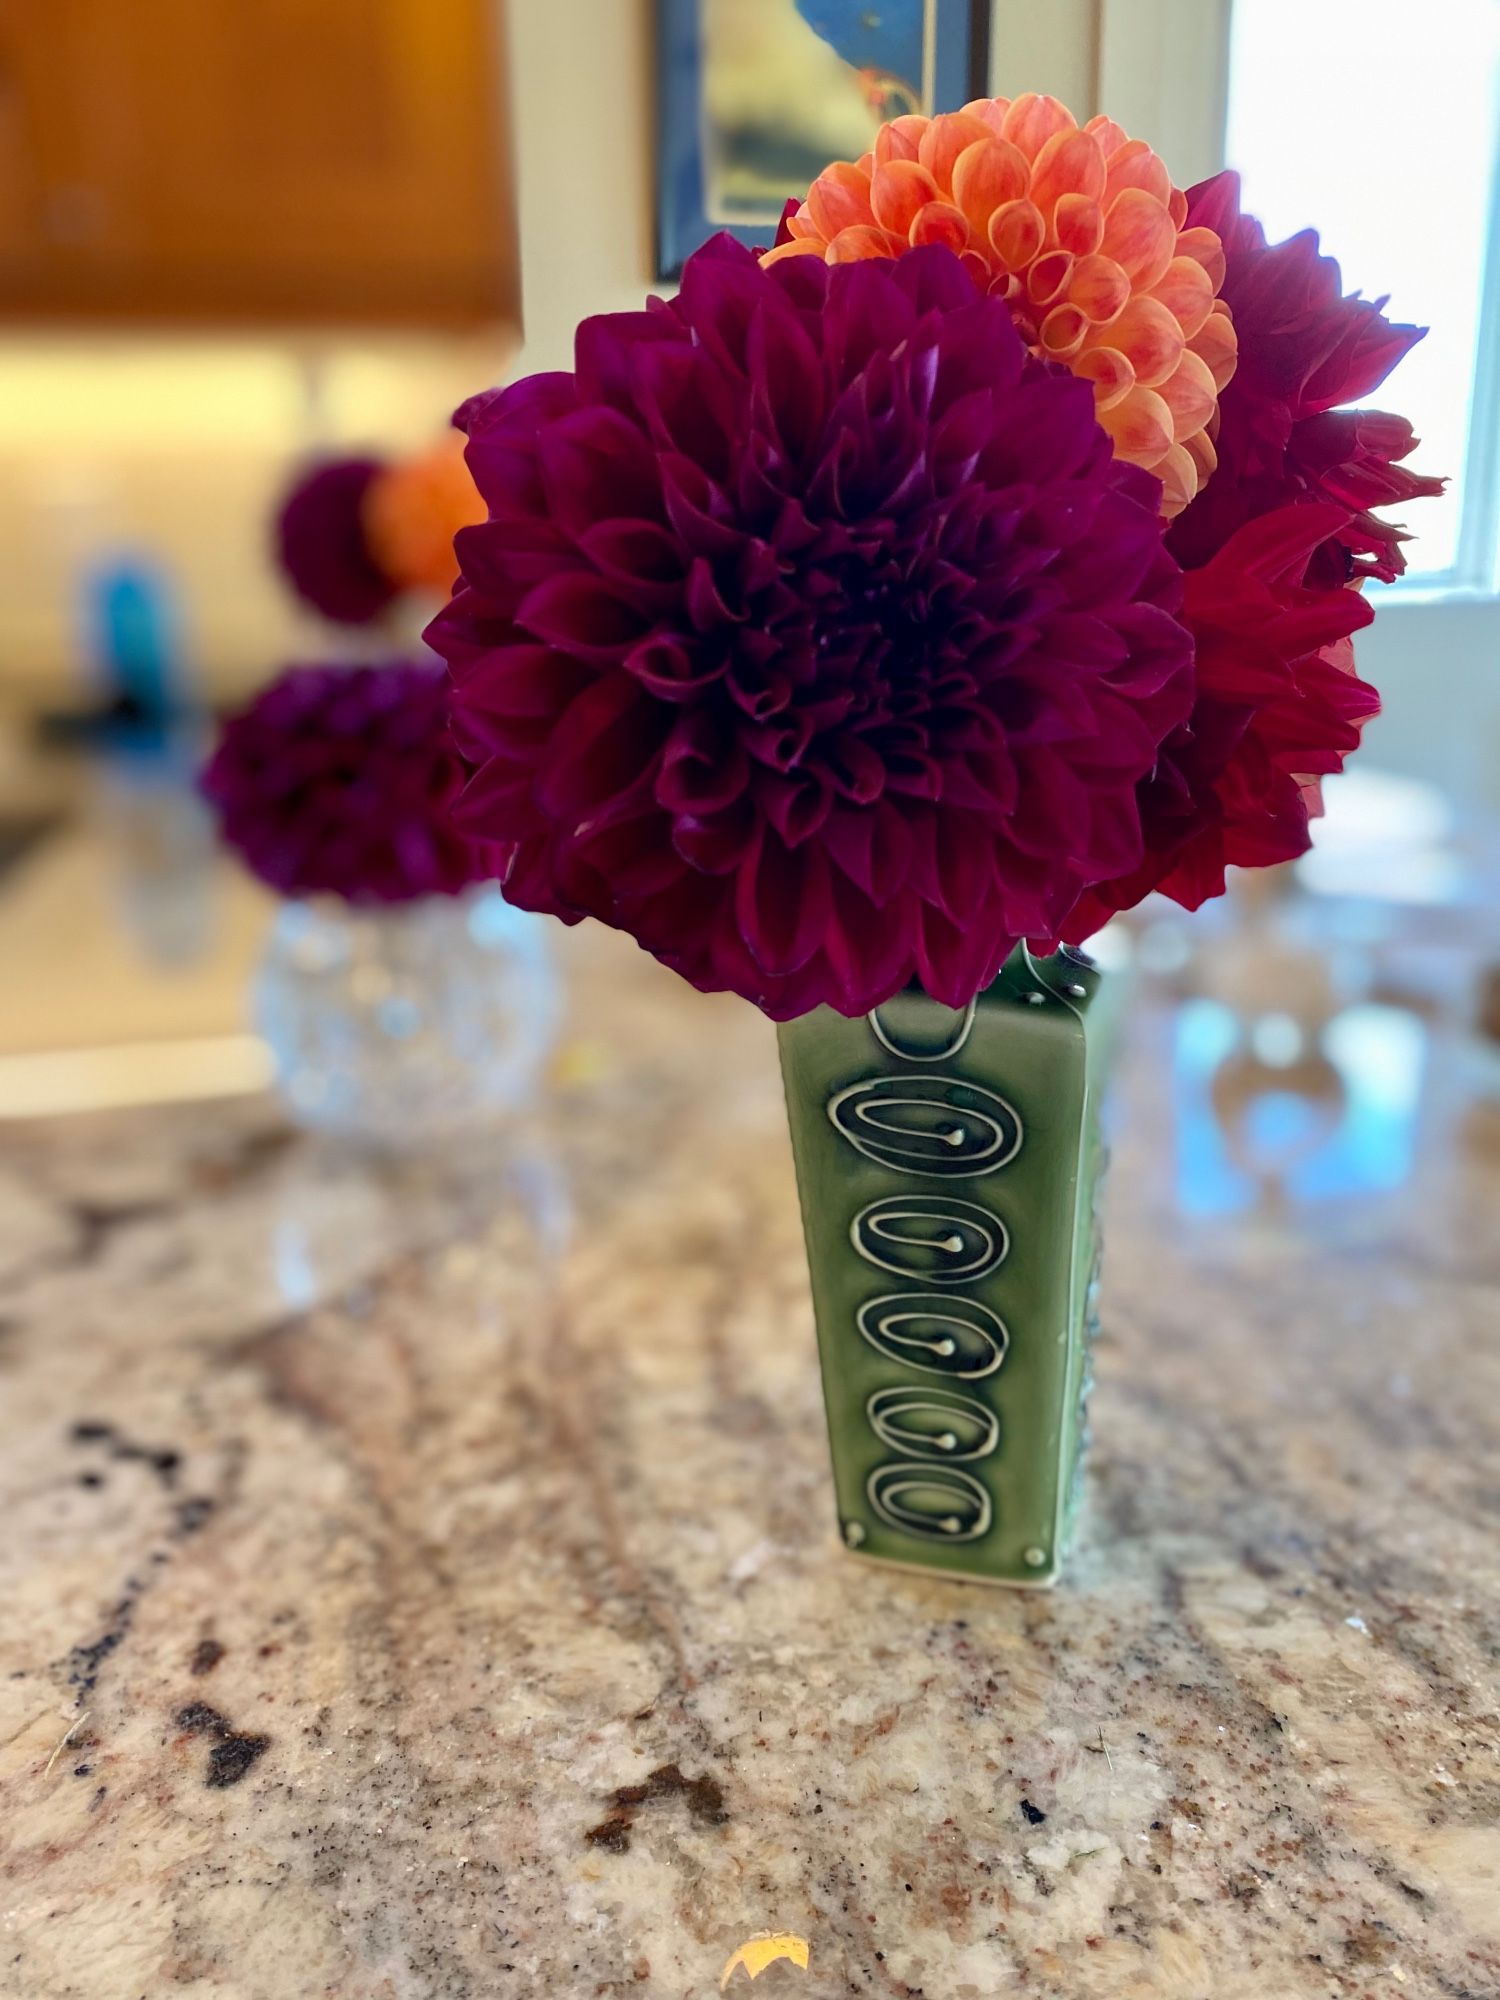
(408, 1024)
(948, 1163)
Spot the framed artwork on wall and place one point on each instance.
(755, 97)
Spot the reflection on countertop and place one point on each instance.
(422, 1581)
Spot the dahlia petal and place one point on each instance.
(850, 246)
(986, 175)
(598, 748)
(1135, 168)
(1078, 224)
(525, 683)
(1187, 292)
(990, 111)
(1177, 470)
(783, 903)
(520, 407)
(901, 139)
(1189, 393)
(1062, 334)
(1070, 162)
(940, 223)
(1016, 232)
(1141, 425)
(1149, 338)
(603, 349)
(1047, 280)
(1033, 119)
(800, 246)
(1204, 247)
(946, 137)
(838, 199)
(1109, 371)
(704, 768)
(1099, 288)
(671, 668)
(796, 805)
(717, 843)
(1215, 344)
(1110, 136)
(1138, 235)
(581, 614)
(1200, 448)
(639, 558)
(898, 192)
(596, 465)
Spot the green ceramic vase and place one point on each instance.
(947, 1163)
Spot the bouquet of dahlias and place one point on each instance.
(974, 563)
(887, 609)
(354, 535)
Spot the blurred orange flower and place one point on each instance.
(1082, 233)
(412, 510)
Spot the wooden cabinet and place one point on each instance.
(233, 161)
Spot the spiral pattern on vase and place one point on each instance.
(936, 1126)
(930, 1238)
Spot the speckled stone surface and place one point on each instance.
(425, 1588)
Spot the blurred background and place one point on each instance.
(233, 239)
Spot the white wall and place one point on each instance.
(581, 117)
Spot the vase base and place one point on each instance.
(1045, 1579)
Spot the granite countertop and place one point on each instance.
(421, 1586)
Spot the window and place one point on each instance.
(1380, 121)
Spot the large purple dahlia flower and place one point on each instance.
(338, 781)
(815, 636)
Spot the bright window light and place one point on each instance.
(1379, 122)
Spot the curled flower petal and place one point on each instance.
(1016, 233)
(940, 222)
(1108, 370)
(1099, 288)
(1078, 224)
(1148, 336)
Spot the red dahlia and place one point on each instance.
(816, 637)
(1305, 348)
(1278, 707)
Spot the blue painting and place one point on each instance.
(756, 96)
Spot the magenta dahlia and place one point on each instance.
(815, 637)
(1278, 707)
(338, 781)
(321, 543)
(1306, 347)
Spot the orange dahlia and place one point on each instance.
(412, 510)
(1081, 232)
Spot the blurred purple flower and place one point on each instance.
(321, 545)
(338, 780)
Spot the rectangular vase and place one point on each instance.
(947, 1164)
